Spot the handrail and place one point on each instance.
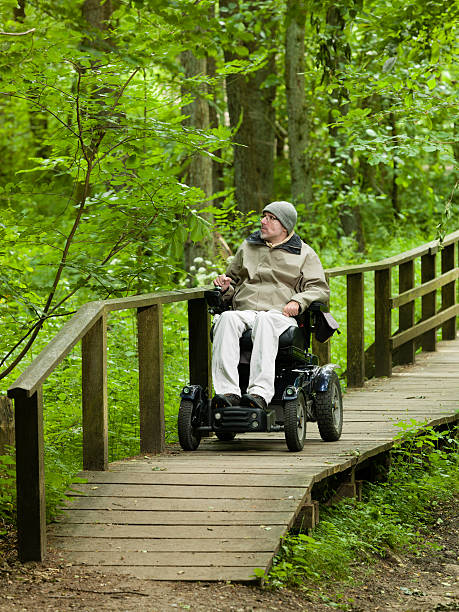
(396, 260)
(76, 327)
(401, 346)
(89, 325)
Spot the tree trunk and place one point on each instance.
(250, 106)
(297, 110)
(97, 13)
(199, 169)
(38, 120)
(6, 423)
(394, 191)
(338, 55)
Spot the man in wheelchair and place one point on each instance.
(265, 379)
(273, 278)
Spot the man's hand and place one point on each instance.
(222, 281)
(292, 309)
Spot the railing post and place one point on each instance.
(448, 292)
(406, 353)
(322, 349)
(428, 302)
(30, 476)
(151, 378)
(383, 354)
(199, 343)
(355, 330)
(94, 396)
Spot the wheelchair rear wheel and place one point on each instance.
(295, 423)
(329, 410)
(189, 437)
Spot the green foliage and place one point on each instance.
(391, 516)
(8, 489)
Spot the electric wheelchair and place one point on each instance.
(304, 391)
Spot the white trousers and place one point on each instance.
(266, 329)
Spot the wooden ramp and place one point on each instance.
(219, 512)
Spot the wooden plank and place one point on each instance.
(82, 544)
(171, 559)
(237, 532)
(190, 480)
(94, 396)
(59, 347)
(150, 299)
(174, 505)
(426, 326)
(355, 330)
(383, 354)
(156, 517)
(427, 287)
(151, 379)
(428, 305)
(396, 260)
(263, 470)
(182, 573)
(448, 292)
(184, 492)
(30, 477)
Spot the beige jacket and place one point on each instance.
(265, 278)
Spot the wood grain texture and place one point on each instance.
(219, 512)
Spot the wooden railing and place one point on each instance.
(399, 348)
(89, 325)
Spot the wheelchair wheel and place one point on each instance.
(225, 436)
(189, 437)
(329, 410)
(295, 423)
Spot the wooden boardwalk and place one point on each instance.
(219, 512)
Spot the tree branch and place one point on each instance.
(18, 33)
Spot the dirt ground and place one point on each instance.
(424, 582)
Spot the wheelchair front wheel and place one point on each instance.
(295, 423)
(329, 410)
(189, 437)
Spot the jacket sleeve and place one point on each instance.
(233, 271)
(312, 286)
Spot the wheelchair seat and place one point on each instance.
(293, 344)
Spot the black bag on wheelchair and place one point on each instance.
(324, 326)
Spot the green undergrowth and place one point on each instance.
(391, 516)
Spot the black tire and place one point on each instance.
(189, 437)
(295, 423)
(225, 436)
(329, 410)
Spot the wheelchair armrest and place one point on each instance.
(215, 302)
(304, 318)
(316, 306)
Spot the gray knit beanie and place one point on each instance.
(285, 212)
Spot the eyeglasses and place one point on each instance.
(269, 217)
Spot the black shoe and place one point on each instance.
(255, 401)
(227, 399)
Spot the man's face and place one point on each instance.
(272, 229)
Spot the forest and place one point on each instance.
(141, 139)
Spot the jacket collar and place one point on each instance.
(291, 246)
